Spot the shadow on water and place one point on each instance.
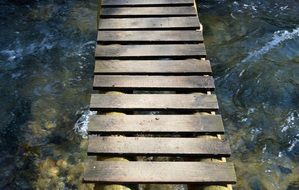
(254, 51)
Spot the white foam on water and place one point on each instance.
(89, 43)
(250, 7)
(290, 122)
(81, 125)
(284, 8)
(293, 143)
(251, 110)
(242, 72)
(277, 38)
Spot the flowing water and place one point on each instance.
(46, 65)
(254, 49)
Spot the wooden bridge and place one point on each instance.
(156, 120)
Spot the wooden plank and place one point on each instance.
(190, 66)
(151, 36)
(149, 23)
(146, 2)
(153, 102)
(148, 11)
(153, 82)
(158, 146)
(150, 51)
(155, 124)
(203, 173)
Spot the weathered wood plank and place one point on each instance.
(148, 11)
(156, 19)
(151, 36)
(153, 82)
(153, 102)
(190, 66)
(155, 124)
(203, 173)
(149, 23)
(157, 146)
(146, 2)
(150, 51)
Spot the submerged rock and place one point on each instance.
(293, 186)
(214, 187)
(74, 174)
(256, 184)
(47, 168)
(163, 187)
(62, 164)
(48, 175)
(42, 13)
(50, 125)
(284, 170)
(111, 187)
(86, 187)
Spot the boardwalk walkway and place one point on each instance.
(152, 53)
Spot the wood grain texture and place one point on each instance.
(157, 146)
(202, 173)
(155, 124)
(189, 66)
(148, 11)
(114, 82)
(150, 51)
(146, 2)
(153, 102)
(154, 36)
(154, 45)
(149, 23)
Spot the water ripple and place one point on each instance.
(278, 38)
